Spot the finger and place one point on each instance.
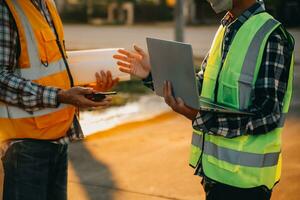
(139, 50)
(109, 80)
(125, 69)
(87, 103)
(115, 81)
(96, 105)
(107, 99)
(170, 100)
(103, 103)
(123, 58)
(126, 53)
(181, 105)
(186, 109)
(169, 89)
(98, 79)
(124, 64)
(180, 102)
(104, 78)
(83, 91)
(165, 89)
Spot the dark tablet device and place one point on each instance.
(99, 96)
(173, 61)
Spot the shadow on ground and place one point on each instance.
(94, 176)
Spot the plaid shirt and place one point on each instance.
(20, 92)
(269, 91)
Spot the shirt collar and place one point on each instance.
(256, 8)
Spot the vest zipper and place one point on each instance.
(65, 61)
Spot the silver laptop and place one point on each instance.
(173, 61)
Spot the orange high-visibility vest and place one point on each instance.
(42, 60)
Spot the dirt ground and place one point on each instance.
(149, 161)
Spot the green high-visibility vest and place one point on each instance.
(249, 160)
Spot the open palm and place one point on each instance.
(135, 63)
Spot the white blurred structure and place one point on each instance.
(140, 110)
(84, 64)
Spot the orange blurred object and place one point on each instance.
(171, 3)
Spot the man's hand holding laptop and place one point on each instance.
(137, 63)
(178, 104)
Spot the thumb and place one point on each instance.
(180, 101)
(139, 50)
(84, 91)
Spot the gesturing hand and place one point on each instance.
(76, 97)
(104, 81)
(178, 104)
(135, 63)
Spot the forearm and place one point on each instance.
(25, 93)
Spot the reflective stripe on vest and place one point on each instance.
(236, 157)
(249, 66)
(231, 156)
(13, 112)
(47, 123)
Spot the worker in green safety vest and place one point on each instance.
(249, 67)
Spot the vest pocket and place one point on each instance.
(51, 51)
(51, 119)
(59, 80)
(229, 95)
(228, 90)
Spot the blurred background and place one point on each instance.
(145, 11)
(138, 149)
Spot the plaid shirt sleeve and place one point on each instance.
(268, 97)
(15, 90)
(148, 82)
